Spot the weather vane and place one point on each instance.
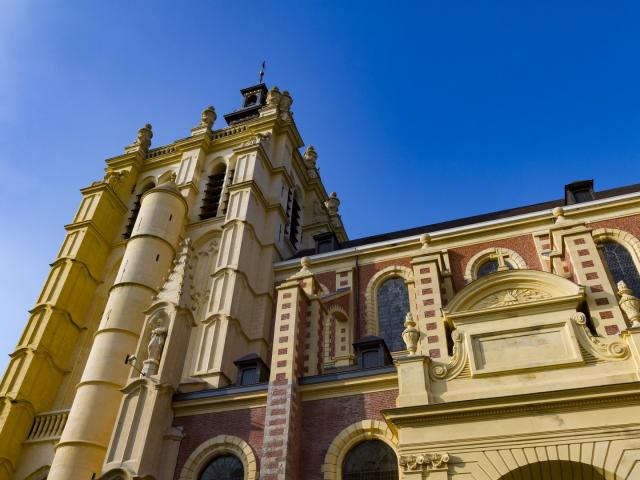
(261, 74)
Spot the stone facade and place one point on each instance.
(207, 304)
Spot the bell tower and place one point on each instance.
(180, 245)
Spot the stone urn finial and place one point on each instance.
(305, 263)
(145, 134)
(310, 156)
(410, 335)
(208, 117)
(273, 97)
(629, 304)
(332, 204)
(425, 238)
(558, 213)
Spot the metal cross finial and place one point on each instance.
(261, 74)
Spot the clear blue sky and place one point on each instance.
(420, 112)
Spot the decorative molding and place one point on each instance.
(511, 296)
(451, 370)
(348, 438)
(598, 346)
(371, 293)
(423, 461)
(219, 445)
(471, 270)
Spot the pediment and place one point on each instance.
(511, 288)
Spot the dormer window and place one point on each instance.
(578, 192)
(251, 370)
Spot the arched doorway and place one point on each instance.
(555, 470)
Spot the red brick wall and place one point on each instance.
(246, 424)
(328, 279)
(323, 420)
(523, 245)
(629, 224)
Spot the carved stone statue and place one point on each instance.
(310, 156)
(410, 335)
(629, 304)
(332, 204)
(208, 117)
(155, 347)
(144, 137)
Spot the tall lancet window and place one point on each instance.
(621, 265)
(133, 216)
(393, 306)
(212, 195)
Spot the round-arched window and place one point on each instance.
(223, 467)
(491, 266)
(370, 460)
(621, 265)
(393, 305)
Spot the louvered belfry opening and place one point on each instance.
(212, 195)
(295, 223)
(134, 212)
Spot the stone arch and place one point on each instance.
(555, 470)
(371, 294)
(474, 262)
(350, 437)
(219, 445)
(626, 239)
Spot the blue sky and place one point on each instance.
(420, 111)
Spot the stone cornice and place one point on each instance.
(516, 405)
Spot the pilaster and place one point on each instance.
(282, 423)
(577, 244)
(428, 294)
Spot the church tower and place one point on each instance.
(164, 283)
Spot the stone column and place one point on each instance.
(147, 258)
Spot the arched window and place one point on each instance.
(370, 460)
(393, 306)
(224, 467)
(135, 210)
(491, 266)
(212, 195)
(621, 265)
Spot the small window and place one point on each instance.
(249, 376)
(370, 359)
(251, 100)
(224, 467)
(621, 266)
(491, 266)
(370, 460)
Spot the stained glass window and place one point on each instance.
(224, 467)
(393, 305)
(370, 460)
(621, 266)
